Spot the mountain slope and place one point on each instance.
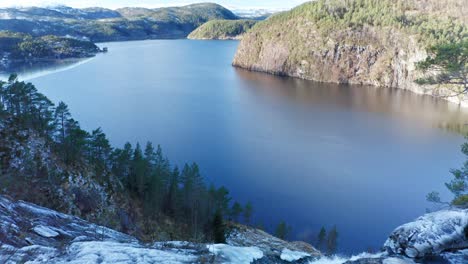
(99, 24)
(222, 29)
(355, 41)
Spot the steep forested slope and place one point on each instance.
(355, 41)
(46, 158)
(222, 29)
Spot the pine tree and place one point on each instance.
(62, 116)
(137, 173)
(248, 211)
(321, 239)
(282, 230)
(332, 241)
(219, 228)
(171, 204)
(121, 159)
(236, 211)
(99, 151)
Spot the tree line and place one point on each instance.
(158, 190)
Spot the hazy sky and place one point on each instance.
(269, 4)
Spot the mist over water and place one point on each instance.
(309, 153)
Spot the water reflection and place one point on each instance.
(312, 154)
(418, 109)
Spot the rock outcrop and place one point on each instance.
(438, 237)
(34, 234)
(431, 234)
(357, 42)
(39, 235)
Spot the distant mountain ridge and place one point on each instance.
(101, 24)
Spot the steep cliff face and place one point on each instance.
(359, 42)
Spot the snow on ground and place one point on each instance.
(45, 231)
(430, 234)
(397, 261)
(110, 252)
(459, 257)
(290, 256)
(236, 255)
(340, 260)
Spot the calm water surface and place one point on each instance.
(313, 154)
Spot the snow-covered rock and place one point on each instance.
(45, 231)
(34, 234)
(431, 234)
(290, 256)
(235, 255)
(272, 247)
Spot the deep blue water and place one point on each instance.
(313, 154)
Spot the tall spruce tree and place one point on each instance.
(321, 239)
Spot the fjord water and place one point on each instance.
(312, 154)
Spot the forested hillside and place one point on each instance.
(99, 24)
(222, 29)
(357, 41)
(46, 158)
(23, 47)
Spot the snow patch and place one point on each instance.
(236, 255)
(430, 234)
(290, 256)
(329, 260)
(41, 210)
(114, 252)
(45, 231)
(340, 260)
(397, 261)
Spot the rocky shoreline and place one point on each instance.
(316, 43)
(40, 235)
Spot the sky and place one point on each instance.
(237, 4)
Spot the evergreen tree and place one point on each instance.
(75, 144)
(137, 177)
(248, 211)
(450, 62)
(321, 239)
(459, 184)
(154, 187)
(332, 241)
(236, 211)
(171, 205)
(121, 163)
(62, 116)
(219, 228)
(99, 151)
(282, 230)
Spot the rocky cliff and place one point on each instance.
(357, 41)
